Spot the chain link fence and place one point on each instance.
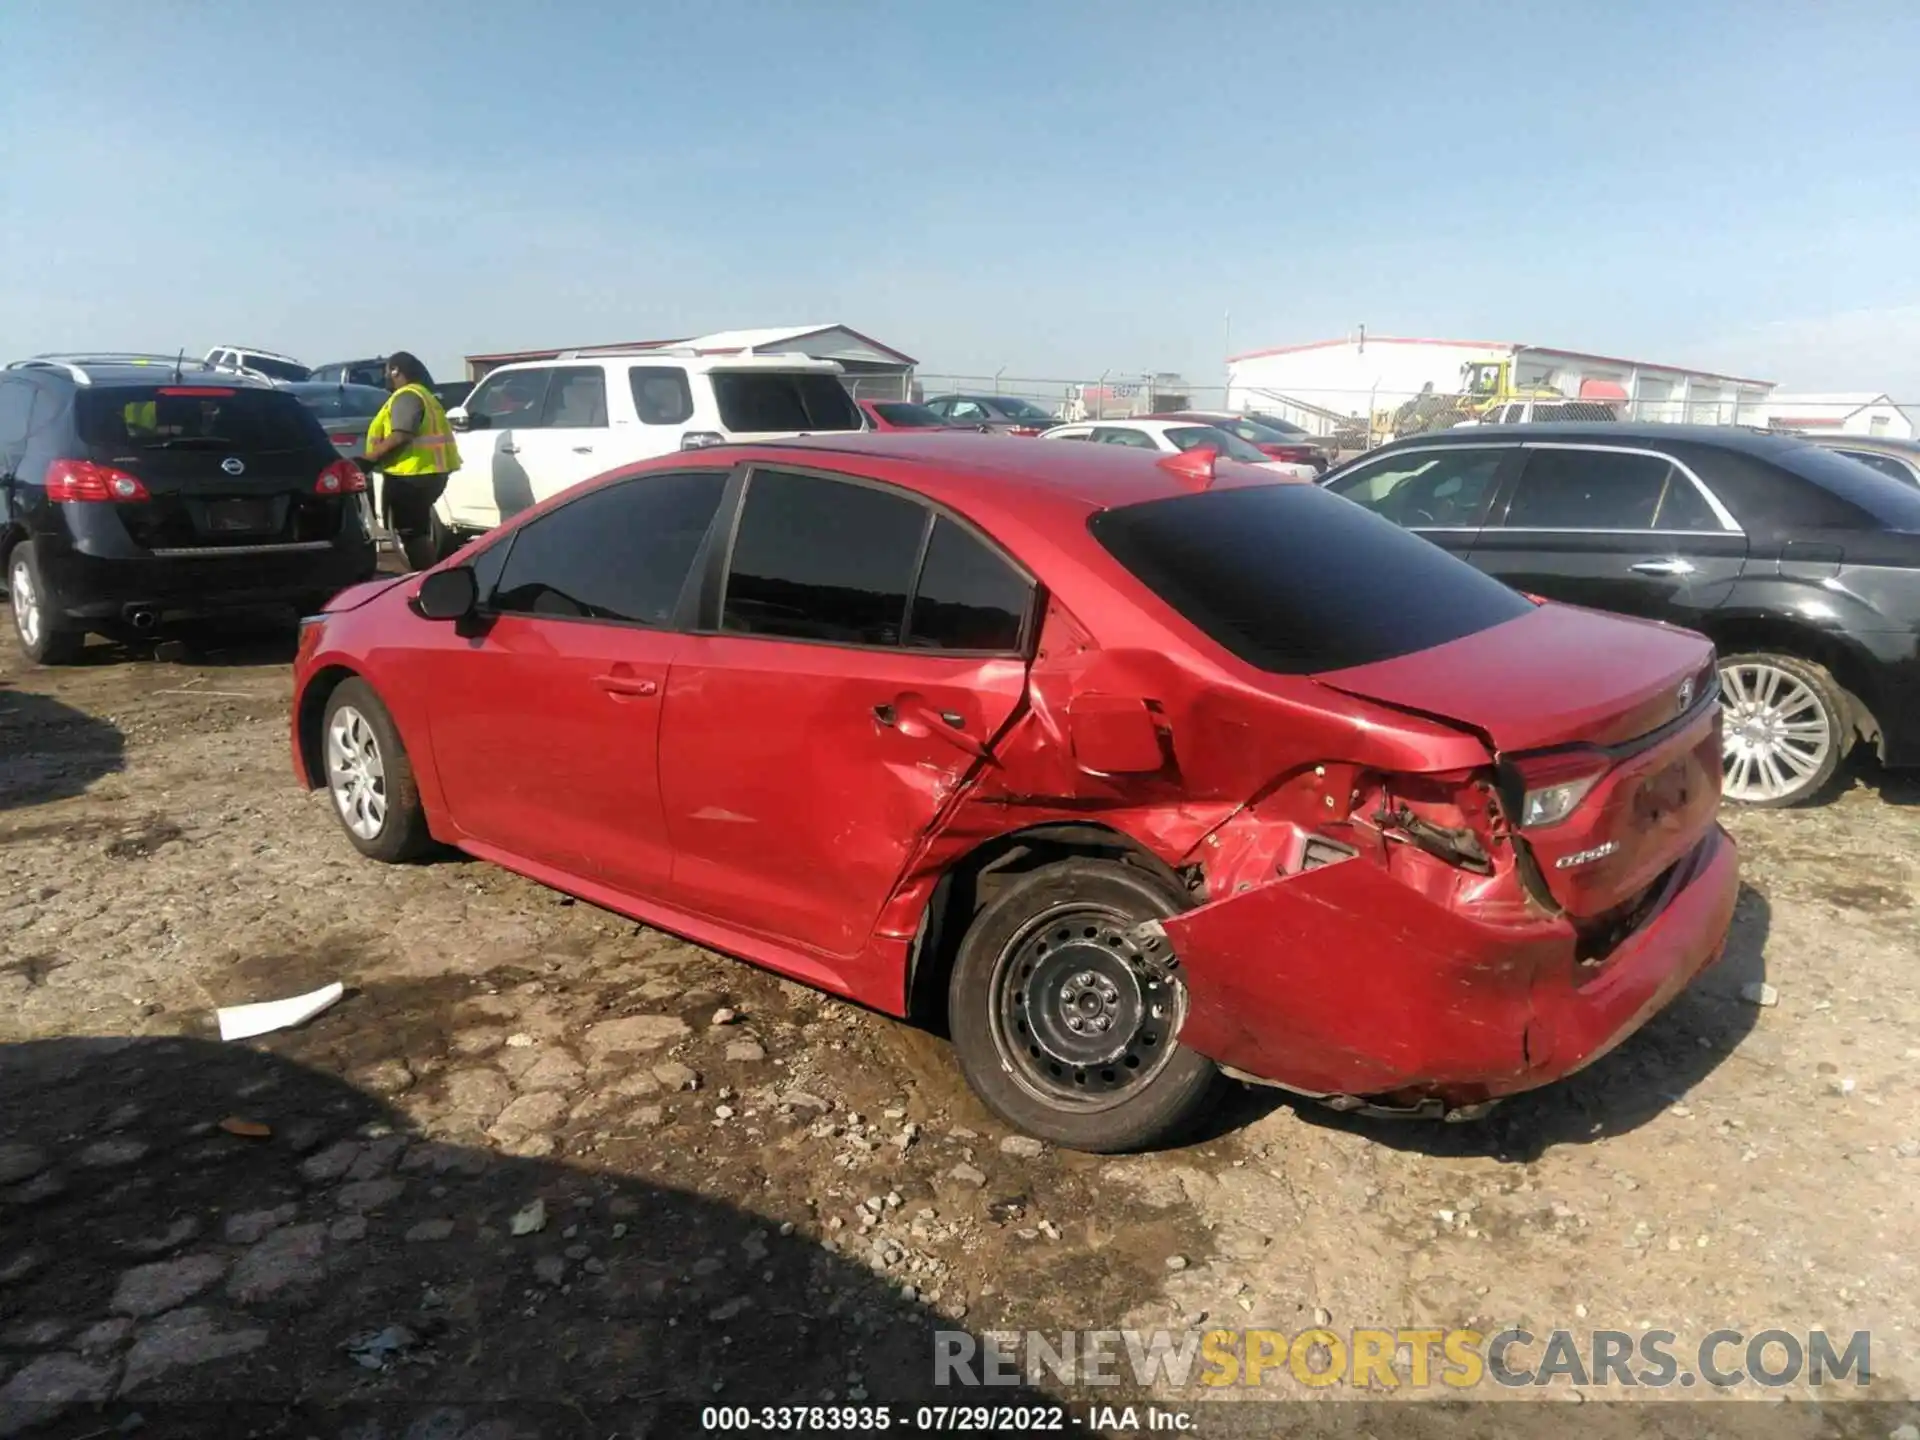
(1348, 422)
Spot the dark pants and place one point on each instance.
(408, 501)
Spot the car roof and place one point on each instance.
(685, 360)
(976, 472)
(1890, 444)
(109, 373)
(1745, 439)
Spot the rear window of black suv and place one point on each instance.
(1298, 581)
(762, 402)
(121, 418)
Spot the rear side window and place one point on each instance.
(1446, 489)
(757, 402)
(818, 559)
(1896, 507)
(1296, 581)
(16, 406)
(661, 395)
(576, 399)
(204, 417)
(1588, 490)
(968, 597)
(336, 402)
(1885, 464)
(618, 553)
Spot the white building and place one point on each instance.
(1853, 413)
(1363, 374)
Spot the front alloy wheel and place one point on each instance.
(1782, 727)
(356, 774)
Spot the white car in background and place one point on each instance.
(1175, 437)
(530, 430)
(263, 363)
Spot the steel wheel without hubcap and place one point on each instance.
(1077, 1018)
(356, 774)
(26, 603)
(1777, 733)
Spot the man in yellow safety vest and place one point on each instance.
(411, 444)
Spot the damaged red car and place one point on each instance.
(1131, 771)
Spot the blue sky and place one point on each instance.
(1051, 187)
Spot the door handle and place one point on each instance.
(917, 720)
(627, 685)
(583, 449)
(1662, 567)
(886, 716)
(507, 447)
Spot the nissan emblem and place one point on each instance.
(233, 465)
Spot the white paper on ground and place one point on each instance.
(242, 1022)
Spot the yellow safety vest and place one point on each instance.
(432, 451)
(141, 415)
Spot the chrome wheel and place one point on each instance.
(355, 773)
(1078, 1019)
(27, 618)
(1777, 733)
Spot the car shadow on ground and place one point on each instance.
(221, 1240)
(1652, 1070)
(51, 751)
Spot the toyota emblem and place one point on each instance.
(1683, 697)
(233, 465)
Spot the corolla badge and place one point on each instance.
(1586, 857)
(233, 465)
(1683, 697)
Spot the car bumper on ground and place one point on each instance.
(95, 590)
(1376, 992)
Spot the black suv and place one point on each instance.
(1802, 566)
(135, 489)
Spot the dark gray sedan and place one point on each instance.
(344, 412)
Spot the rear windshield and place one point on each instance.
(204, 417)
(898, 412)
(758, 402)
(338, 402)
(1296, 581)
(1895, 505)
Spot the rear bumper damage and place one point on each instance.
(1346, 985)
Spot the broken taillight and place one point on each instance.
(1543, 790)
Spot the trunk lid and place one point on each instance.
(1559, 675)
(224, 466)
(1625, 711)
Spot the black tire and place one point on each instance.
(400, 834)
(52, 642)
(1040, 938)
(1738, 676)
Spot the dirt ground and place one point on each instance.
(783, 1204)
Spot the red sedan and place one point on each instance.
(1134, 772)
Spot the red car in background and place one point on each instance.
(901, 415)
(1134, 769)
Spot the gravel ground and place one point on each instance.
(750, 1193)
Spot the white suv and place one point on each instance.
(529, 431)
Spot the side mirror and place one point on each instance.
(448, 594)
(459, 419)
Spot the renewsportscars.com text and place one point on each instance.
(1392, 1359)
